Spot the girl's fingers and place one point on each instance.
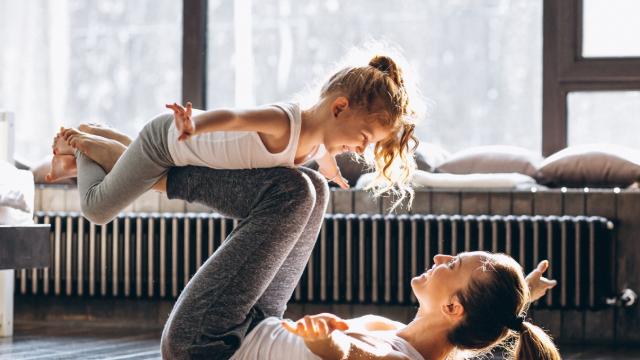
(338, 324)
(323, 328)
(300, 329)
(290, 328)
(311, 330)
(187, 123)
(344, 184)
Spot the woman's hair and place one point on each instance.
(495, 305)
(379, 89)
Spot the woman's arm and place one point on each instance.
(538, 284)
(374, 323)
(323, 335)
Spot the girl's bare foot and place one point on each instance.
(62, 167)
(106, 132)
(60, 146)
(103, 151)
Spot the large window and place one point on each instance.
(477, 63)
(591, 72)
(68, 61)
(610, 28)
(611, 117)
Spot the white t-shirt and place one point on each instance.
(237, 149)
(270, 341)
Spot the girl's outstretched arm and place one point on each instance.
(267, 120)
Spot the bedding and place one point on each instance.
(16, 188)
(463, 181)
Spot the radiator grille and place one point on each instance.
(357, 259)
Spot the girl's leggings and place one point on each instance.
(255, 271)
(146, 160)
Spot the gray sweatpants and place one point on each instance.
(146, 160)
(254, 273)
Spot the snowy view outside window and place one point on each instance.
(118, 61)
(479, 63)
(590, 117)
(68, 61)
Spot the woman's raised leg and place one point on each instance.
(217, 307)
(274, 300)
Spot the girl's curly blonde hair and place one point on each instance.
(379, 89)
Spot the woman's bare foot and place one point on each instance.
(103, 151)
(105, 132)
(62, 167)
(60, 146)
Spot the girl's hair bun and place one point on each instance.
(387, 66)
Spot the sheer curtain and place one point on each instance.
(67, 61)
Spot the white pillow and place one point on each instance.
(464, 181)
(14, 217)
(16, 188)
(472, 181)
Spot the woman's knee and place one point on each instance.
(170, 346)
(320, 186)
(296, 188)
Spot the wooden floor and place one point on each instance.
(88, 340)
(80, 340)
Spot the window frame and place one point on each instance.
(566, 70)
(194, 52)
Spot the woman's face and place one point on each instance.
(449, 274)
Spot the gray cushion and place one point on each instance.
(597, 165)
(429, 156)
(492, 159)
(351, 168)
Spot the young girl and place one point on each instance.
(358, 106)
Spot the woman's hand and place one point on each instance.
(538, 284)
(313, 328)
(184, 122)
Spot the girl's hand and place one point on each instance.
(184, 122)
(335, 176)
(314, 328)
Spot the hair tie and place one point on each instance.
(516, 323)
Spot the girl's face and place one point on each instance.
(449, 274)
(353, 130)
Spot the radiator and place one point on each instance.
(357, 259)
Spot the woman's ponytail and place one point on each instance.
(535, 344)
